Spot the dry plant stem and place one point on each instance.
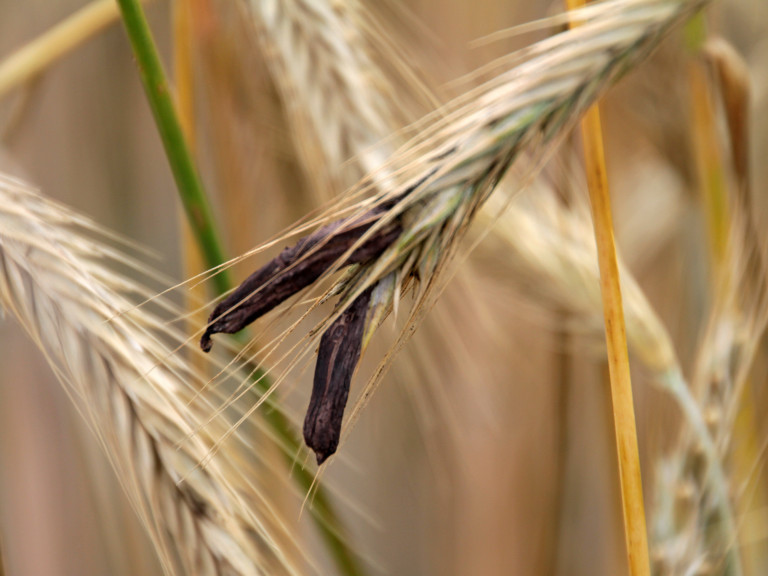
(618, 357)
(635, 532)
(29, 61)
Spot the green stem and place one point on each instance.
(158, 92)
(323, 513)
(200, 216)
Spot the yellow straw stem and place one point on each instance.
(40, 53)
(616, 340)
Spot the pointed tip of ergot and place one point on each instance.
(322, 456)
(205, 341)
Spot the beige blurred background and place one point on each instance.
(504, 466)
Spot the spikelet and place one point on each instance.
(140, 400)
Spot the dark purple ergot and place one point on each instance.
(337, 357)
(295, 268)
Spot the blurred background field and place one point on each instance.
(488, 449)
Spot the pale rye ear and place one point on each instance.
(139, 398)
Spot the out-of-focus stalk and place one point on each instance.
(36, 56)
(709, 163)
